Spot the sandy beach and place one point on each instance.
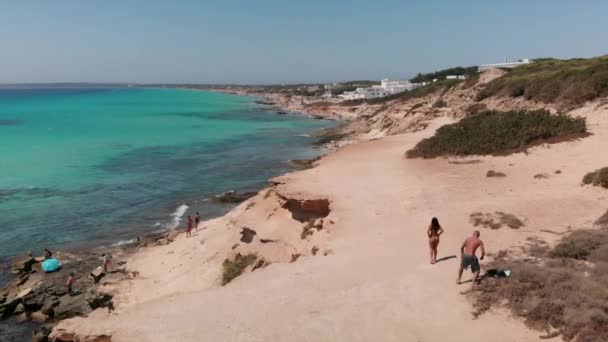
(363, 272)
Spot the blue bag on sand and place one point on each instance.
(51, 265)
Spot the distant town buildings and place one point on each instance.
(387, 87)
(505, 64)
(455, 77)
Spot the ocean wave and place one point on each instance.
(124, 242)
(176, 217)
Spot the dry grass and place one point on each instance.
(496, 220)
(602, 221)
(476, 108)
(493, 173)
(236, 267)
(597, 177)
(558, 293)
(567, 82)
(440, 103)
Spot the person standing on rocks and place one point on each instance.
(197, 219)
(189, 229)
(47, 254)
(70, 283)
(105, 261)
(469, 259)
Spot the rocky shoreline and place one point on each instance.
(42, 298)
(32, 302)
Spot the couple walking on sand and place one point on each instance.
(197, 219)
(467, 250)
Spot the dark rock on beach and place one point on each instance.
(23, 264)
(265, 102)
(329, 135)
(234, 197)
(303, 164)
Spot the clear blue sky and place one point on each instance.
(264, 41)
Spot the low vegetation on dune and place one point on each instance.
(492, 173)
(597, 178)
(563, 291)
(475, 108)
(234, 268)
(569, 82)
(498, 133)
(442, 74)
(496, 220)
(440, 103)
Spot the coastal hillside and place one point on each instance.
(337, 251)
(564, 83)
(551, 84)
(361, 269)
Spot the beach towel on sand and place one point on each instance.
(498, 273)
(50, 265)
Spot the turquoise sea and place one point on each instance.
(100, 165)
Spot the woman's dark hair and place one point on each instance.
(435, 224)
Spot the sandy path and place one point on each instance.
(378, 284)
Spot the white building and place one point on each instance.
(387, 87)
(396, 86)
(455, 77)
(364, 93)
(505, 64)
(327, 94)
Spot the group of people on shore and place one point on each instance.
(197, 219)
(468, 250)
(105, 263)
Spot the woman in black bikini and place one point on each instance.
(433, 233)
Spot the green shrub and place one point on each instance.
(475, 108)
(569, 82)
(597, 177)
(440, 103)
(442, 74)
(494, 132)
(234, 268)
(581, 245)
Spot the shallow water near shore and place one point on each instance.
(85, 166)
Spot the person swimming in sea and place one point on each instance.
(433, 232)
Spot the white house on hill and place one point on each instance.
(387, 87)
(505, 64)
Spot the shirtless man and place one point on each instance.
(468, 257)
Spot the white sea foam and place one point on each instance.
(176, 217)
(124, 242)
